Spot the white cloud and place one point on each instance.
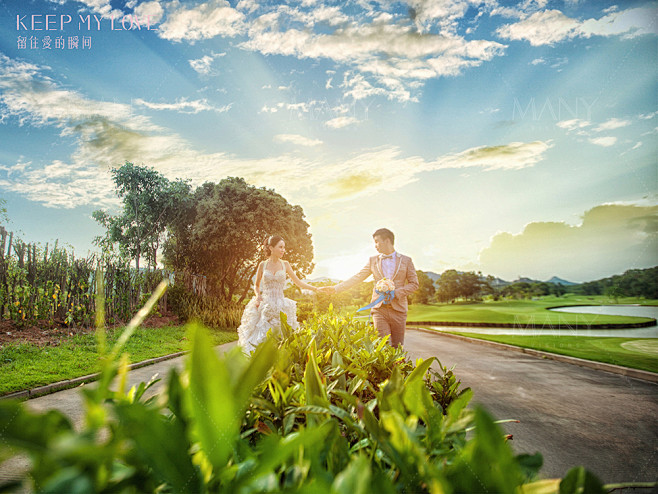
(64, 185)
(544, 249)
(427, 13)
(392, 57)
(247, 5)
(603, 141)
(611, 124)
(573, 124)
(648, 116)
(541, 28)
(297, 139)
(151, 10)
(584, 128)
(102, 7)
(184, 106)
(203, 65)
(37, 100)
(551, 26)
(629, 23)
(204, 21)
(538, 61)
(340, 122)
(395, 55)
(108, 134)
(512, 156)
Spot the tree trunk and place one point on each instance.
(247, 285)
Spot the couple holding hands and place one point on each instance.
(389, 313)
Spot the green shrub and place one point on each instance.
(210, 311)
(328, 409)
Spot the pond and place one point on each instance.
(613, 310)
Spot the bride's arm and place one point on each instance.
(259, 277)
(296, 280)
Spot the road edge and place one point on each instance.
(592, 364)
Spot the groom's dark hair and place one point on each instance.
(384, 233)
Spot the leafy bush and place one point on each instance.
(208, 310)
(328, 409)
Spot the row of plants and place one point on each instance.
(330, 408)
(46, 286)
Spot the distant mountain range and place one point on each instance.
(497, 282)
(500, 282)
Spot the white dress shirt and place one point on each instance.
(388, 265)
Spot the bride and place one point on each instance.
(262, 311)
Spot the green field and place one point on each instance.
(25, 366)
(524, 312)
(638, 353)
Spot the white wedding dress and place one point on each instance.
(257, 321)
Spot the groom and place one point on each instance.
(388, 318)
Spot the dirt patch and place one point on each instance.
(45, 334)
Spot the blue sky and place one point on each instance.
(515, 138)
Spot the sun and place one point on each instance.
(342, 266)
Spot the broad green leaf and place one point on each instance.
(259, 364)
(162, 444)
(530, 464)
(71, 480)
(417, 399)
(274, 451)
(420, 370)
(210, 400)
(286, 329)
(391, 395)
(355, 479)
(487, 462)
(545, 486)
(175, 394)
(578, 480)
(315, 390)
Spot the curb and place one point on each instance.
(71, 383)
(600, 366)
(515, 325)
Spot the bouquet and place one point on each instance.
(384, 285)
(386, 290)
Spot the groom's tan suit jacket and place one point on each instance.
(405, 279)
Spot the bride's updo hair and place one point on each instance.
(271, 242)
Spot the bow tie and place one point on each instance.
(390, 256)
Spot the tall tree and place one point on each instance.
(221, 235)
(470, 284)
(448, 286)
(425, 290)
(150, 203)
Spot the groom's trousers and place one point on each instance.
(390, 321)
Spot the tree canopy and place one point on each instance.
(221, 231)
(150, 203)
(425, 291)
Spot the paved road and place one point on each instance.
(572, 415)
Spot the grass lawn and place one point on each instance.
(25, 365)
(523, 312)
(638, 353)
